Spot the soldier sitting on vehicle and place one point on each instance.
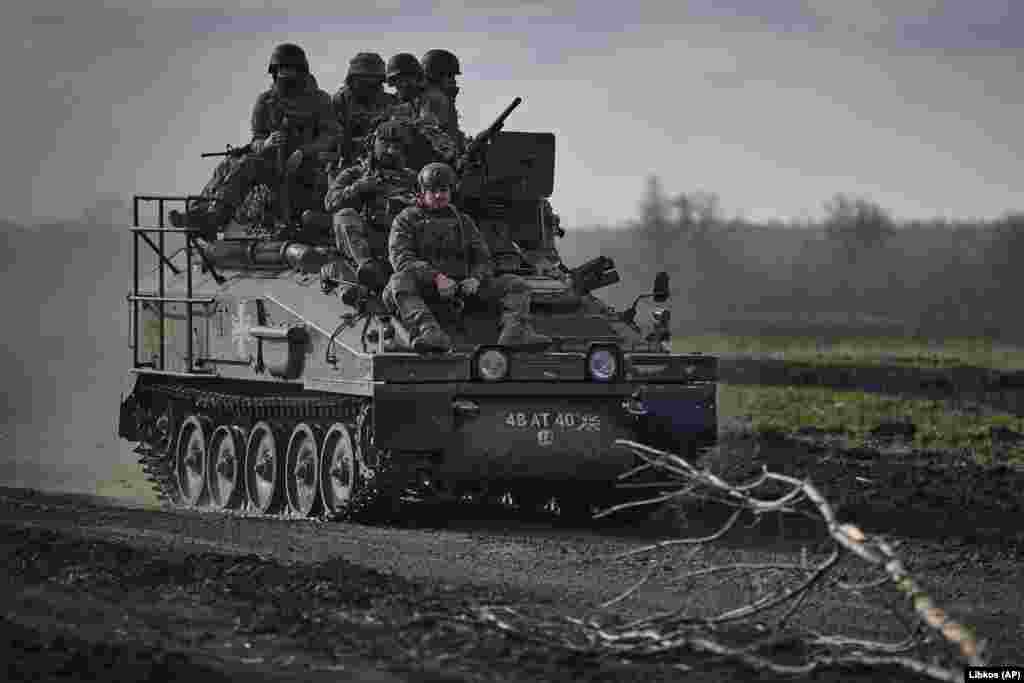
(293, 120)
(365, 198)
(360, 101)
(440, 67)
(436, 252)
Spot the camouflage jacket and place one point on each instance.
(354, 116)
(309, 115)
(438, 241)
(436, 102)
(395, 188)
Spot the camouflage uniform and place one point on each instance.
(435, 102)
(312, 127)
(430, 143)
(405, 74)
(425, 242)
(362, 221)
(356, 116)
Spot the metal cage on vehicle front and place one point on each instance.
(154, 336)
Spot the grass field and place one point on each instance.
(129, 483)
(853, 414)
(907, 351)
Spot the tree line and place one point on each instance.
(857, 269)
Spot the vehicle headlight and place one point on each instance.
(602, 365)
(492, 365)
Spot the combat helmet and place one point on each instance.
(288, 54)
(436, 175)
(366, 64)
(404, 64)
(440, 63)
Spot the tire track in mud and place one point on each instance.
(562, 572)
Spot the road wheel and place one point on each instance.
(264, 469)
(191, 459)
(225, 468)
(303, 468)
(339, 471)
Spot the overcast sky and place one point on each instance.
(775, 105)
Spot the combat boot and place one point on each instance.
(516, 331)
(423, 327)
(431, 338)
(209, 222)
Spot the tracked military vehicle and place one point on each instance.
(261, 386)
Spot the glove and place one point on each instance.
(469, 286)
(446, 287)
(294, 161)
(275, 140)
(329, 277)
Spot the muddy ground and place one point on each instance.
(93, 590)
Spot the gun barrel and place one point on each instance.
(500, 121)
(229, 152)
(508, 110)
(478, 143)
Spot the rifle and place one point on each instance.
(282, 160)
(371, 165)
(230, 151)
(478, 143)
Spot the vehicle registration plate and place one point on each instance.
(569, 421)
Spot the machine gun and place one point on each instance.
(477, 144)
(230, 151)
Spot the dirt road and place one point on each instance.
(134, 594)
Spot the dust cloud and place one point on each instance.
(66, 354)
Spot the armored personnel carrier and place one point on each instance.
(260, 386)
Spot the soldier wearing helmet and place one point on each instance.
(293, 117)
(365, 198)
(405, 75)
(440, 67)
(437, 252)
(361, 100)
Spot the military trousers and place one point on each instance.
(358, 239)
(415, 290)
(234, 177)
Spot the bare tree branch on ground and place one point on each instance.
(934, 645)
